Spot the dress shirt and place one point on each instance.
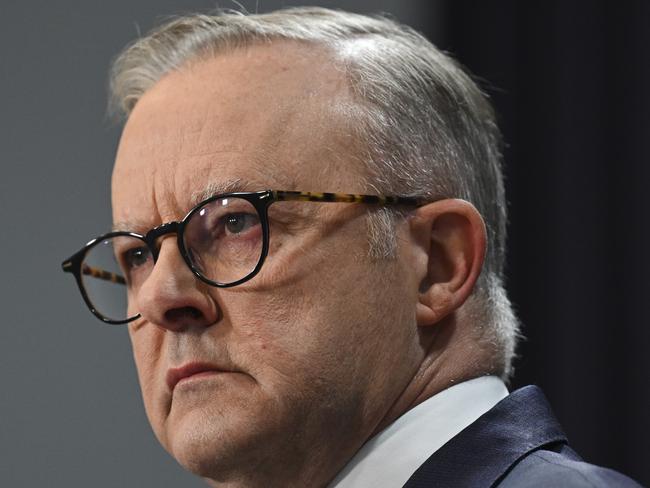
(389, 458)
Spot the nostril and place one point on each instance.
(183, 313)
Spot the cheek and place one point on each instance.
(267, 330)
(320, 329)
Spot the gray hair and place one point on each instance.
(429, 130)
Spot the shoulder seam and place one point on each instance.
(577, 471)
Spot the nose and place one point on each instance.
(172, 297)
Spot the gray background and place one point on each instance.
(70, 407)
(569, 80)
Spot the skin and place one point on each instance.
(325, 346)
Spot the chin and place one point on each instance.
(198, 450)
(223, 439)
(207, 442)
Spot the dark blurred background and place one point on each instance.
(570, 82)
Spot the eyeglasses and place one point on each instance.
(224, 240)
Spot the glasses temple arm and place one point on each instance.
(346, 197)
(102, 274)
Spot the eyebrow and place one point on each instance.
(124, 226)
(238, 185)
(217, 187)
(139, 227)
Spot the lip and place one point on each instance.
(174, 375)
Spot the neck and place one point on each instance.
(289, 474)
(452, 354)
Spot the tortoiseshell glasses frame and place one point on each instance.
(260, 200)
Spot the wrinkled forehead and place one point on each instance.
(275, 116)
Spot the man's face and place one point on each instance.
(315, 349)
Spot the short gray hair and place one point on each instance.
(429, 130)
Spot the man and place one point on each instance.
(286, 337)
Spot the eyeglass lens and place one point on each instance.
(223, 240)
(110, 272)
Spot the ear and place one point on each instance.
(450, 239)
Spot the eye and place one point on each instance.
(135, 257)
(238, 223)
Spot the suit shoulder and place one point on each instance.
(543, 468)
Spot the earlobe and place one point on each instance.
(430, 312)
(452, 239)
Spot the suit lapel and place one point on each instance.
(483, 452)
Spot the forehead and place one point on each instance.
(268, 116)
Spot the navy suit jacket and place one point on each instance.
(518, 443)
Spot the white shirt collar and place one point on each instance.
(389, 458)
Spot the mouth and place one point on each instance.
(190, 370)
